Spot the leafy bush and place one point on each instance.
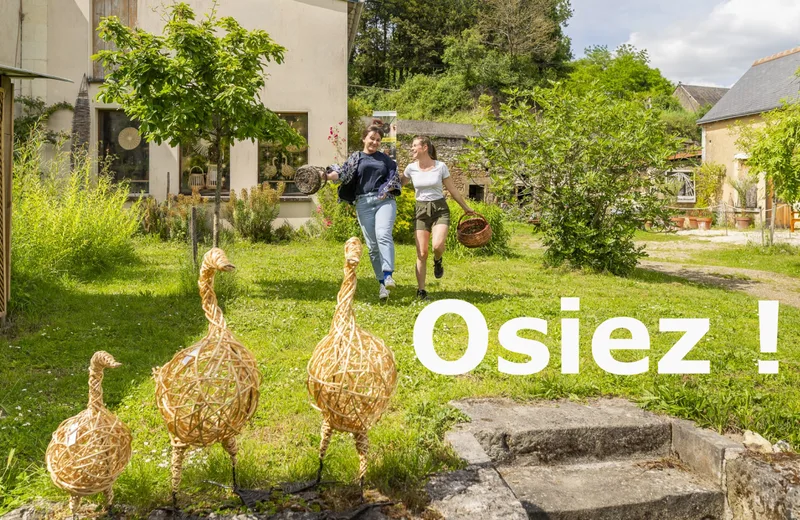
(253, 212)
(593, 164)
(172, 220)
(66, 219)
(497, 218)
(708, 179)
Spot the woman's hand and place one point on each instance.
(468, 210)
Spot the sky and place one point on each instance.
(698, 42)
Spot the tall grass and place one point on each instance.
(66, 220)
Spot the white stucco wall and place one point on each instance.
(57, 39)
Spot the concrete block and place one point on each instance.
(702, 450)
(472, 493)
(763, 487)
(467, 446)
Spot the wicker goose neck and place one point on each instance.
(213, 261)
(343, 315)
(100, 361)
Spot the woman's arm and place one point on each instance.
(344, 173)
(448, 183)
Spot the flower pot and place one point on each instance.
(692, 222)
(743, 222)
(704, 223)
(678, 221)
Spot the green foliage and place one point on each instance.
(172, 220)
(253, 213)
(67, 224)
(336, 221)
(199, 80)
(356, 109)
(623, 74)
(591, 163)
(498, 221)
(33, 120)
(708, 178)
(774, 149)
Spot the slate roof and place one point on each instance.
(14, 72)
(430, 128)
(762, 88)
(704, 95)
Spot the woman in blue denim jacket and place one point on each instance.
(369, 179)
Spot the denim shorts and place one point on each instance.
(431, 213)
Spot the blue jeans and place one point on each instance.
(376, 218)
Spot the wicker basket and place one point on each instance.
(309, 179)
(474, 232)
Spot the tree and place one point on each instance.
(625, 74)
(199, 80)
(593, 165)
(774, 149)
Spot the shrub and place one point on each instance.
(67, 220)
(592, 163)
(336, 221)
(253, 212)
(172, 220)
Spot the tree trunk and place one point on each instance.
(217, 191)
(772, 218)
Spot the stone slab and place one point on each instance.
(476, 492)
(613, 490)
(763, 487)
(564, 431)
(702, 450)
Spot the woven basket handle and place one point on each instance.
(474, 215)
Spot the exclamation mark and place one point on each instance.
(768, 328)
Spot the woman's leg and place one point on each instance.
(385, 214)
(423, 237)
(366, 219)
(439, 240)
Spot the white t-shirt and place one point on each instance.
(427, 185)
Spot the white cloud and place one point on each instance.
(717, 48)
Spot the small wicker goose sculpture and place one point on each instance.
(351, 374)
(89, 451)
(207, 392)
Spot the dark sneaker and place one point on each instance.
(438, 269)
(422, 294)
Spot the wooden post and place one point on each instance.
(194, 235)
(168, 201)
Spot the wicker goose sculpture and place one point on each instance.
(207, 392)
(351, 374)
(89, 451)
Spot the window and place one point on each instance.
(126, 10)
(277, 163)
(198, 165)
(120, 144)
(476, 192)
(686, 180)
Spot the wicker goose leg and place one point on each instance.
(74, 502)
(178, 454)
(326, 433)
(230, 446)
(109, 496)
(362, 446)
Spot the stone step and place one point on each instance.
(615, 490)
(564, 432)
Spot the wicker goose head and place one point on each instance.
(89, 451)
(208, 392)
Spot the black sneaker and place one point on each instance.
(422, 294)
(438, 270)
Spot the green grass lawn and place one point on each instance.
(279, 303)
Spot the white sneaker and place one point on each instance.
(389, 282)
(383, 293)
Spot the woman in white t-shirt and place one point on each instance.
(429, 176)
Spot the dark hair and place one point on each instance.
(374, 127)
(425, 140)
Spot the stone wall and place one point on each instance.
(450, 140)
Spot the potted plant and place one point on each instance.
(742, 187)
(692, 219)
(704, 220)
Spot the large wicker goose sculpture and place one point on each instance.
(210, 390)
(89, 451)
(351, 374)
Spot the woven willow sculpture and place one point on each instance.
(210, 390)
(351, 374)
(89, 451)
